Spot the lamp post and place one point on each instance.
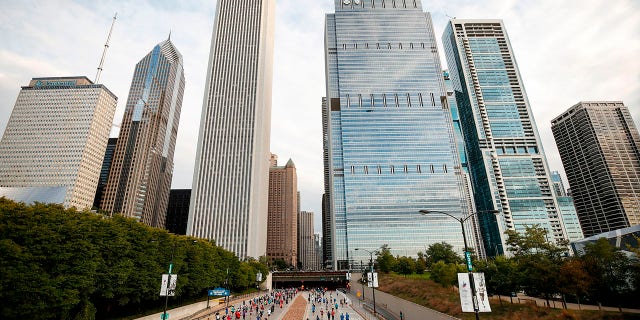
(467, 254)
(166, 298)
(372, 282)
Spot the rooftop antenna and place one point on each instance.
(106, 46)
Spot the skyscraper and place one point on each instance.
(178, 211)
(558, 186)
(566, 208)
(306, 244)
(599, 147)
(389, 143)
(282, 225)
(231, 175)
(508, 168)
(104, 172)
(140, 176)
(55, 140)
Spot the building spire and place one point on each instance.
(169, 35)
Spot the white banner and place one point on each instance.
(481, 292)
(465, 292)
(372, 279)
(171, 287)
(466, 298)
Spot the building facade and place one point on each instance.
(390, 149)
(142, 168)
(306, 243)
(53, 146)
(599, 147)
(104, 172)
(507, 165)
(282, 225)
(228, 201)
(558, 185)
(178, 211)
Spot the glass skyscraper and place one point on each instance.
(231, 175)
(142, 167)
(508, 168)
(390, 149)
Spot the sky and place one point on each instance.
(567, 51)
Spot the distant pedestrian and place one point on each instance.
(401, 316)
(342, 316)
(347, 317)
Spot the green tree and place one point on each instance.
(445, 274)
(610, 270)
(421, 263)
(442, 252)
(385, 260)
(405, 265)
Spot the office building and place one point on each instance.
(390, 149)
(282, 225)
(306, 244)
(178, 211)
(507, 165)
(570, 219)
(142, 168)
(104, 172)
(53, 146)
(228, 201)
(599, 147)
(317, 239)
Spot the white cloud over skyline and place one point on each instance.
(567, 51)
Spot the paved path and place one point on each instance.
(297, 309)
(558, 304)
(355, 312)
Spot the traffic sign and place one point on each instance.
(467, 256)
(219, 292)
(164, 316)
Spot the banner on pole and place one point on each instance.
(166, 288)
(481, 292)
(464, 286)
(466, 298)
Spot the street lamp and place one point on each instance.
(372, 282)
(467, 254)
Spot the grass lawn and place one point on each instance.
(421, 290)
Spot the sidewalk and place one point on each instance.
(353, 308)
(521, 298)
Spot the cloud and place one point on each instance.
(567, 51)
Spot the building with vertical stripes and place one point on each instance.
(599, 146)
(104, 172)
(54, 143)
(306, 244)
(507, 164)
(142, 166)
(231, 175)
(390, 149)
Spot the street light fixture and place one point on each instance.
(372, 287)
(467, 254)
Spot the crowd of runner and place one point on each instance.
(258, 308)
(327, 303)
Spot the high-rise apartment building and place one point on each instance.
(507, 165)
(228, 201)
(104, 172)
(142, 168)
(390, 149)
(54, 143)
(566, 208)
(599, 147)
(306, 244)
(558, 186)
(282, 225)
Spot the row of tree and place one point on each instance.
(603, 274)
(65, 264)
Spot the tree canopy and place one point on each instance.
(61, 263)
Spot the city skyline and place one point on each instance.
(548, 60)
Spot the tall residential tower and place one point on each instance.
(599, 146)
(389, 142)
(282, 225)
(508, 168)
(231, 175)
(142, 166)
(55, 141)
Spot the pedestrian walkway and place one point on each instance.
(296, 310)
(319, 311)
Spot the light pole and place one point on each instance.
(467, 254)
(166, 298)
(372, 282)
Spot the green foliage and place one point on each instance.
(385, 260)
(446, 274)
(442, 252)
(609, 268)
(63, 264)
(405, 265)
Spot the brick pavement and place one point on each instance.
(297, 309)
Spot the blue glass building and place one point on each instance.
(389, 143)
(508, 168)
